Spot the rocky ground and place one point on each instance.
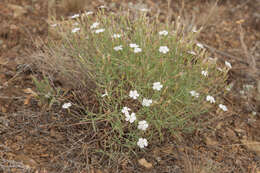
(32, 139)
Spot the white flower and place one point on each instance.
(117, 48)
(164, 33)
(205, 73)
(147, 102)
(106, 94)
(74, 16)
(194, 94)
(210, 99)
(99, 30)
(192, 52)
(223, 107)
(133, 45)
(142, 125)
(88, 13)
(116, 36)
(228, 64)
(66, 105)
(220, 69)
(144, 9)
(131, 118)
(142, 142)
(53, 25)
(137, 50)
(102, 6)
(229, 87)
(157, 86)
(194, 30)
(163, 49)
(94, 25)
(200, 45)
(133, 94)
(75, 30)
(125, 110)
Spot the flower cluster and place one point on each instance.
(136, 47)
(131, 117)
(74, 30)
(210, 98)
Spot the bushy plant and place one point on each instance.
(150, 79)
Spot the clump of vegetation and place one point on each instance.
(149, 80)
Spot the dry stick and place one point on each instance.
(250, 59)
(214, 50)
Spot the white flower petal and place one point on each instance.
(205, 73)
(147, 102)
(117, 48)
(75, 30)
(66, 105)
(106, 94)
(74, 16)
(194, 94)
(157, 86)
(94, 25)
(89, 13)
(125, 110)
(132, 117)
(133, 94)
(200, 45)
(163, 49)
(53, 25)
(142, 125)
(164, 33)
(99, 30)
(133, 45)
(228, 64)
(192, 52)
(137, 50)
(142, 142)
(223, 107)
(144, 9)
(116, 36)
(210, 99)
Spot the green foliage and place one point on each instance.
(45, 93)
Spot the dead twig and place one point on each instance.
(227, 55)
(250, 59)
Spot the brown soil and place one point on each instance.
(33, 139)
